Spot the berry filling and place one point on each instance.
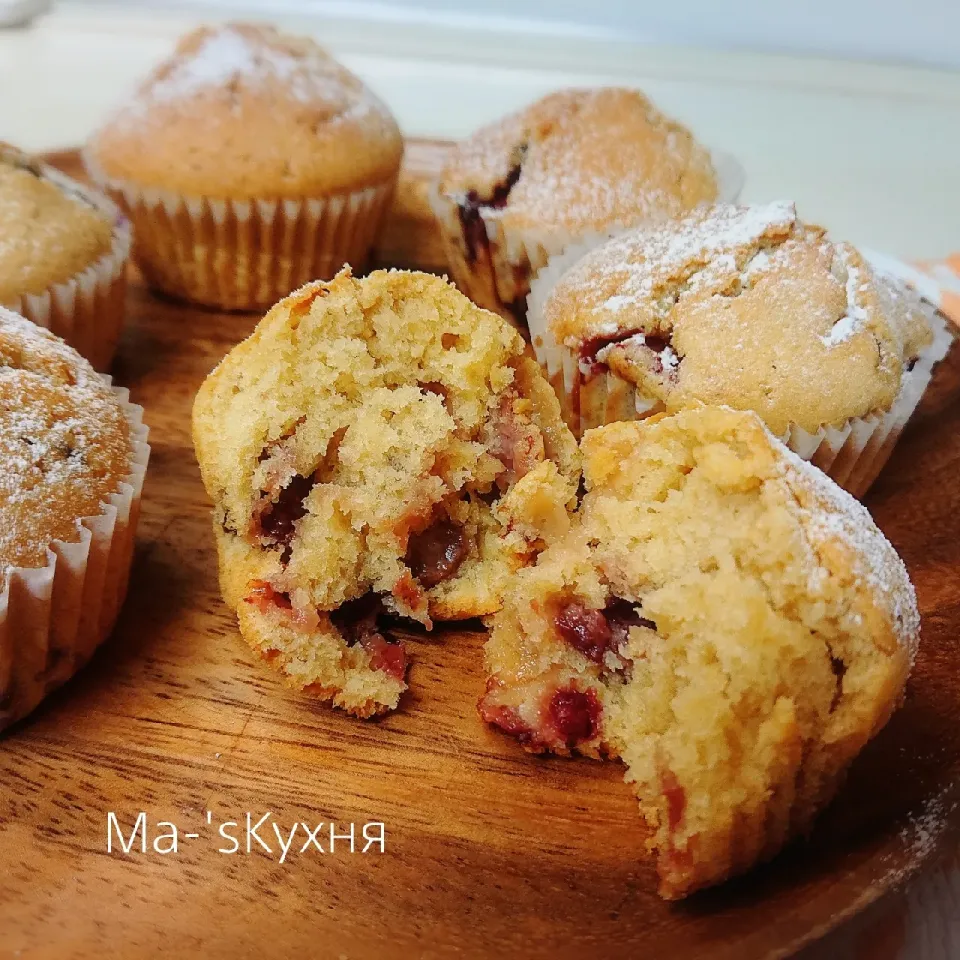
(471, 210)
(594, 632)
(265, 598)
(675, 797)
(565, 716)
(275, 521)
(516, 442)
(662, 357)
(357, 621)
(574, 715)
(584, 629)
(435, 554)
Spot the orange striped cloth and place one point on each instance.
(946, 275)
(935, 280)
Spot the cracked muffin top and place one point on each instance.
(581, 160)
(46, 235)
(743, 306)
(242, 111)
(65, 443)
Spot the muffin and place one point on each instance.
(577, 164)
(63, 255)
(73, 453)
(250, 163)
(723, 618)
(743, 306)
(377, 448)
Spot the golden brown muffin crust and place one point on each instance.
(744, 306)
(46, 236)
(243, 112)
(583, 160)
(65, 442)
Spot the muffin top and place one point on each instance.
(743, 306)
(65, 443)
(244, 112)
(47, 236)
(581, 160)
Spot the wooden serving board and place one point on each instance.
(489, 852)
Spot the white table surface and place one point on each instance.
(870, 151)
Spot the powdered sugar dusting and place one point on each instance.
(833, 514)
(255, 59)
(585, 160)
(856, 316)
(707, 249)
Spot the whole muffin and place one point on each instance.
(377, 447)
(73, 454)
(63, 255)
(576, 164)
(250, 162)
(723, 618)
(747, 307)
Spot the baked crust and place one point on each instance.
(65, 443)
(744, 306)
(47, 236)
(582, 160)
(245, 112)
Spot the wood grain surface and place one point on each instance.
(489, 852)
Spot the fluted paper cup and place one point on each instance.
(52, 618)
(245, 254)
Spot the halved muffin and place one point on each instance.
(375, 447)
(723, 618)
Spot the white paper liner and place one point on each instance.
(53, 618)
(500, 276)
(245, 254)
(88, 309)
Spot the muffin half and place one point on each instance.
(378, 447)
(724, 619)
